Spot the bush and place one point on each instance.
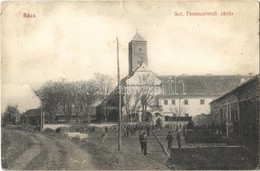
(201, 137)
(58, 130)
(48, 130)
(190, 125)
(76, 139)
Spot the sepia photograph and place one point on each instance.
(130, 85)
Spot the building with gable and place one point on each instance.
(168, 99)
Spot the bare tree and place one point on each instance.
(51, 95)
(9, 115)
(59, 96)
(105, 84)
(141, 92)
(91, 93)
(73, 98)
(178, 111)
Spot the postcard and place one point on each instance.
(130, 85)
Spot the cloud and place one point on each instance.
(18, 94)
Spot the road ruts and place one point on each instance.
(51, 153)
(23, 160)
(52, 156)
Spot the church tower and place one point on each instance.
(137, 50)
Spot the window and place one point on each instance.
(202, 101)
(173, 102)
(165, 102)
(167, 118)
(164, 88)
(186, 102)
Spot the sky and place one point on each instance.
(74, 40)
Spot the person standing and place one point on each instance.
(169, 139)
(127, 131)
(143, 141)
(178, 137)
(140, 140)
(148, 130)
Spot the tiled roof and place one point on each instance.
(205, 85)
(234, 90)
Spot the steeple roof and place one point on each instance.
(138, 37)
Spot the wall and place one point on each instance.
(239, 107)
(193, 108)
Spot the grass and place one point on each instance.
(199, 156)
(212, 158)
(10, 141)
(129, 157)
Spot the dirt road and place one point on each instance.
(23, 150)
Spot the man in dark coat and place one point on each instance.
(143, 142)
(140, 140)
(148, 130)
(169, 139)
(178, 137)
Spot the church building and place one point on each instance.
(164, 99)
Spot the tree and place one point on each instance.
(9, 116)
(178, 111)
(52, 95)
(71, 98)
(105, 84)
(190, 125)
(90, 91)
(140, 91)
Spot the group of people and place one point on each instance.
(131, 129)
(170, 138)
(143, 141)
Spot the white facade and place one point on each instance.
(144, 81)
(186, 105)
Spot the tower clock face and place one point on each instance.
(140, 49)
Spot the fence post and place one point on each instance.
(227, 132)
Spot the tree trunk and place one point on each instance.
(84, 112)
(105, 117)
(89, 114)
(70, 112)
(77, 117)
(65, 112)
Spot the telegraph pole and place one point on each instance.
(119, 92)
(42, 115)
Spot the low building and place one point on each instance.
(31, 117)
(239, 108)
